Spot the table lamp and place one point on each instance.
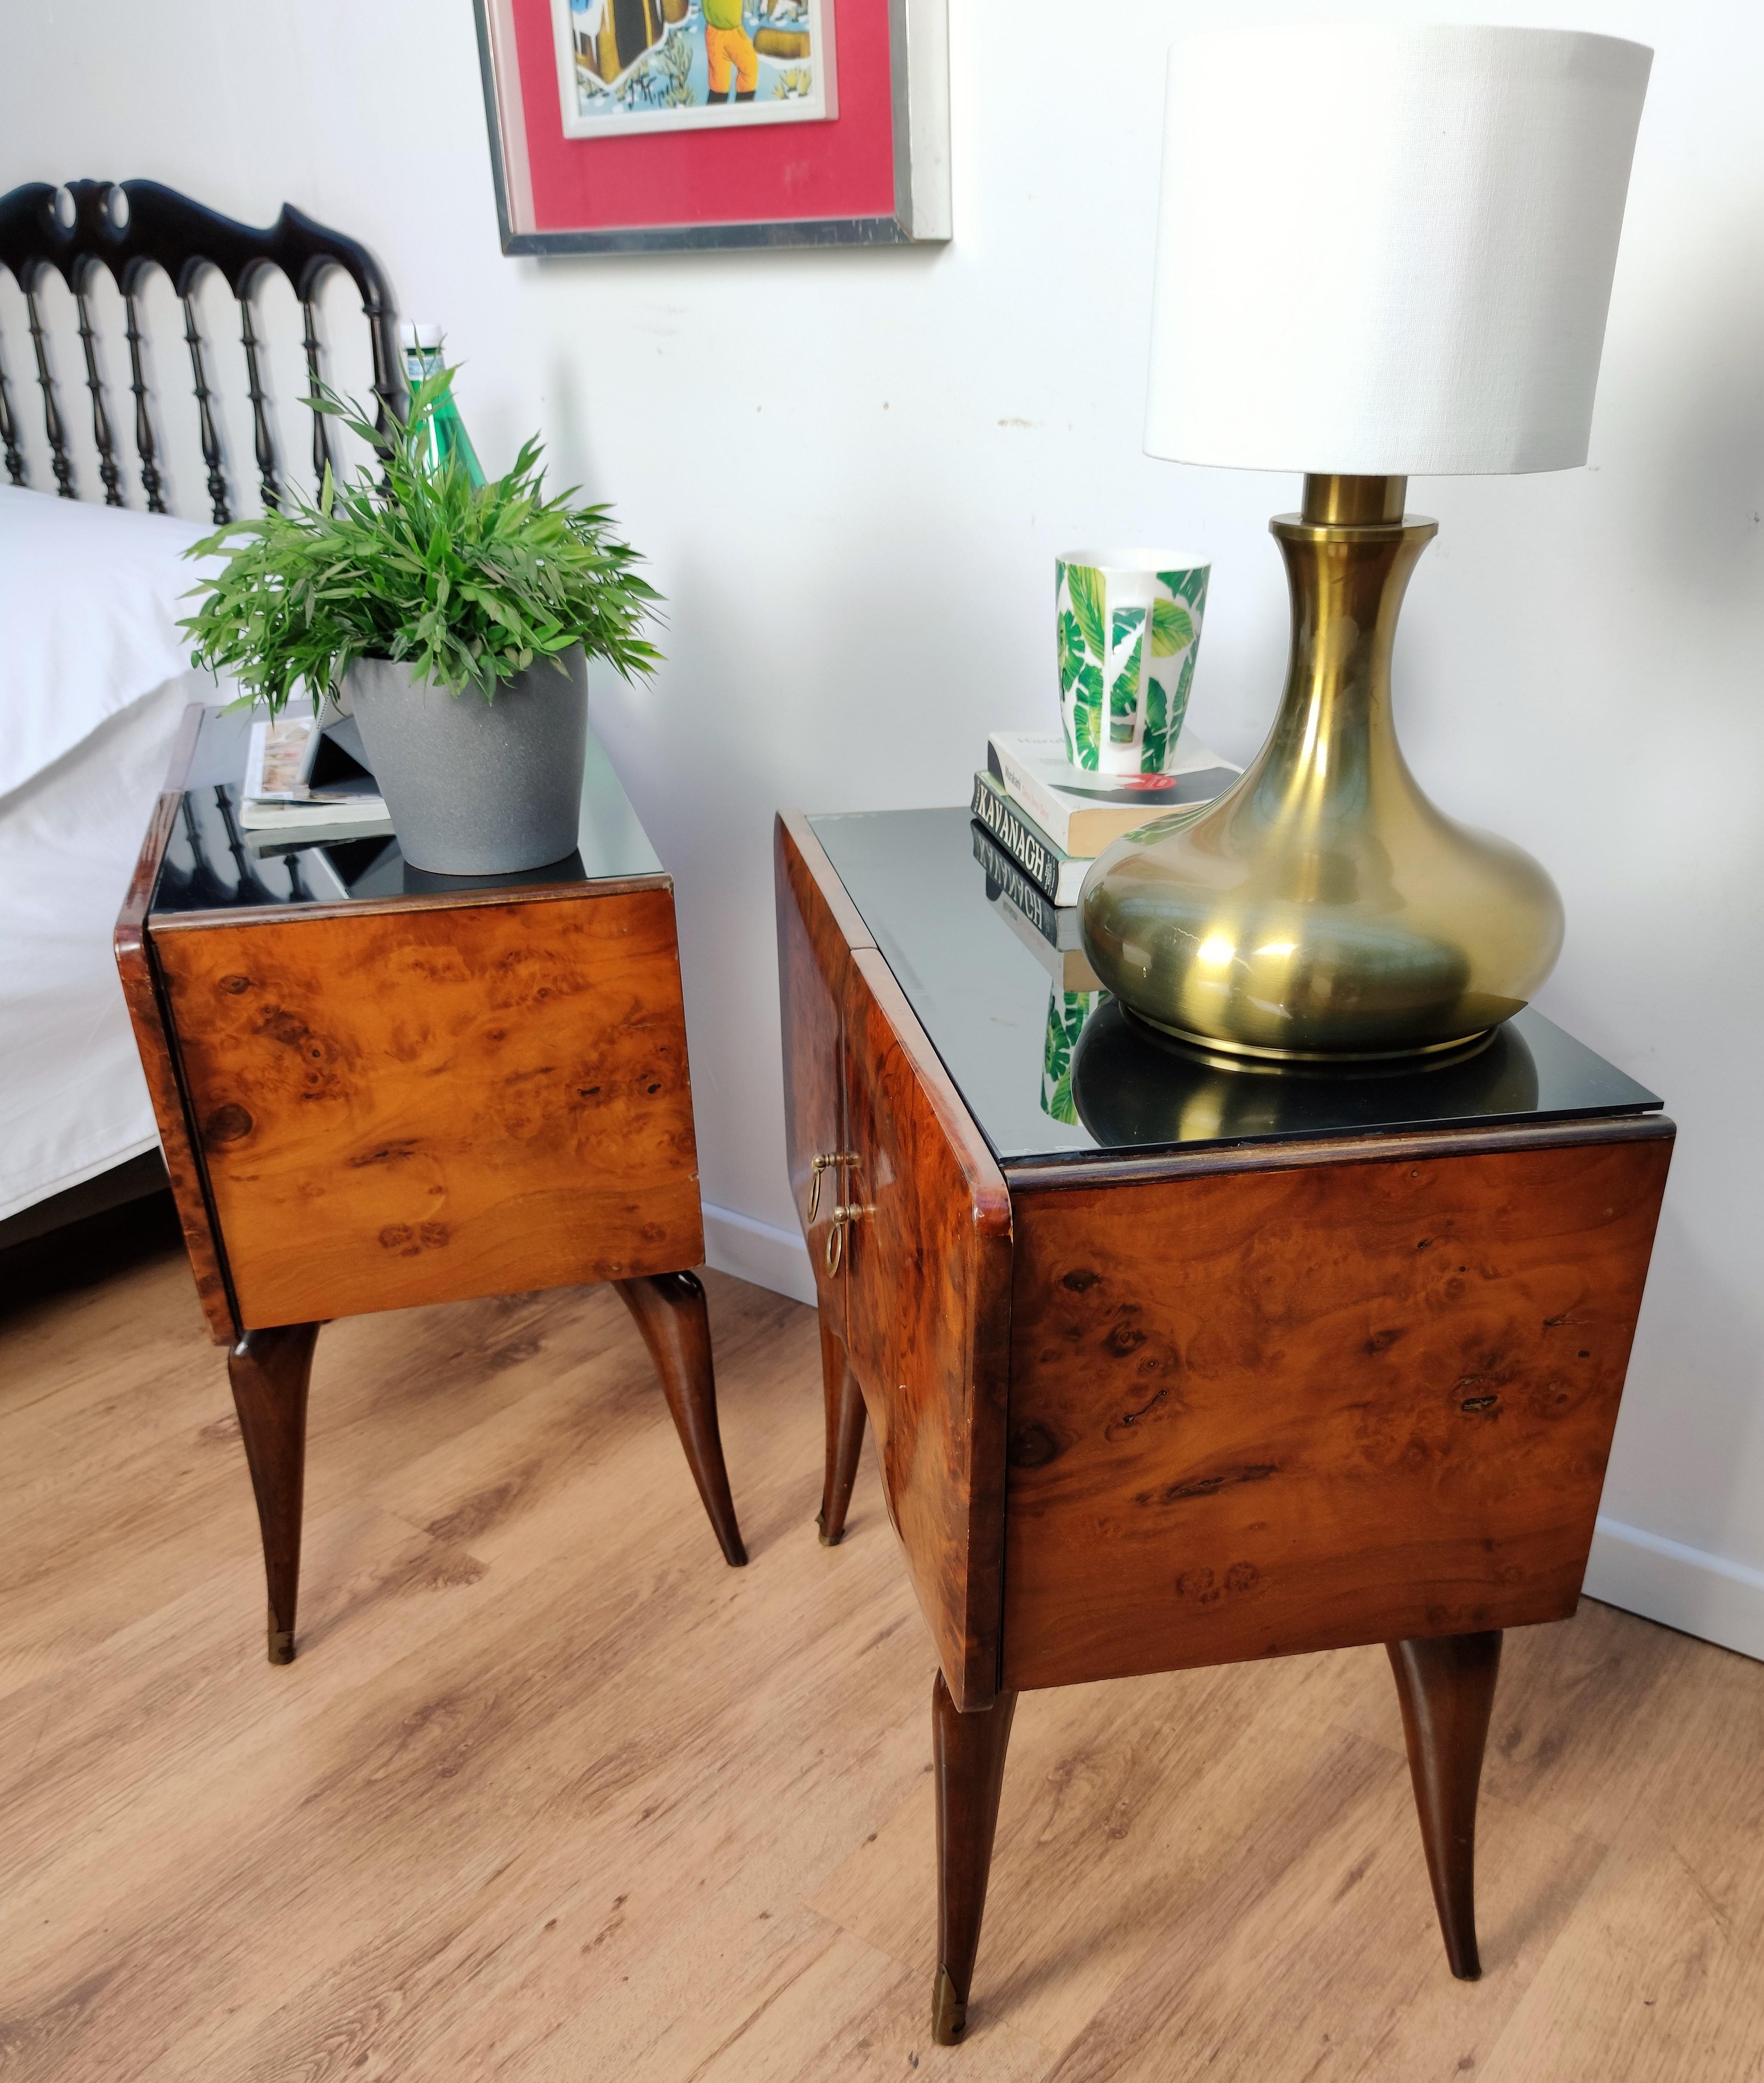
(1381, 252)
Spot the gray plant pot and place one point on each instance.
(477, 788)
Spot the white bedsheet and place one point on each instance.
(94, 677)
(90, 598)
(73, 1101)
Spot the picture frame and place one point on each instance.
(605, 137)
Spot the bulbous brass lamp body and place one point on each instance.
(1323, 909)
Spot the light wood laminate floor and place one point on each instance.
(552, 1793)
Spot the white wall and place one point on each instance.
(850, 472)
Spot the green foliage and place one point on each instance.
(1085, 585)
(1124, 695)
(1156, 735)
(1087, 711)
(1164, 716)
(468, 585)
(1071, 652)
(1067, 1013)
(1189, 585)
(1173, 629)
(1179, 708)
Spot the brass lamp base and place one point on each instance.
(1323, 909)
(1274, 1060)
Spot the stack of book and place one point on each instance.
(305, 786)
(1049, 820)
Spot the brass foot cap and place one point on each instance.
(949, 2011)
(828, 1539)
(280, 1646)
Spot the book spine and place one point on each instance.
(1035, 858)
(1002, 871)
(1043, 805)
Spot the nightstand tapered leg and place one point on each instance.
(968, 1756)
(1446, 1685)
(671, 1313)
(269, 1371)
(844, 1435)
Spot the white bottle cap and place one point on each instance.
(421, 333)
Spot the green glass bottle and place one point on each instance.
(446, 433)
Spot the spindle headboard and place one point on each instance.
(130, 227)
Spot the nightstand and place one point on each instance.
(376, 1088)
(1170, 1364)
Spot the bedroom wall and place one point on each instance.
(850, 472)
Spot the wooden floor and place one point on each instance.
(553, 1793)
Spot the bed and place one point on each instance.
(94, 672)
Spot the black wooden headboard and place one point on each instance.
(129, 227)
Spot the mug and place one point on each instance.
(1128, 626)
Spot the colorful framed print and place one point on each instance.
(630, 126)
(627, 67)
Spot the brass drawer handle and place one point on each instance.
(835, 1236)
(826, 1164)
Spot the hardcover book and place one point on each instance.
(299, 778)
(1068, 968)
(1054, 873)
(1083, 812)
(1002, 873)
(1051, 935)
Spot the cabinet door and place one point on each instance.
(1263, 1412)
(399, 1107)
(813, 968)
(927, 1256)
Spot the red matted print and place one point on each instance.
(847, 177)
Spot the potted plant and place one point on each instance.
(456, 621)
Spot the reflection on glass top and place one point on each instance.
(1052, 1068)
(212, 863)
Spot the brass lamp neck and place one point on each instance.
(1347, 502)
(1348, 573)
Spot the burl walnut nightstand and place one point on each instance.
(1171, 1366)
(376, 1088)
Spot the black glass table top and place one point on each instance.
(213, 863)
(1052, 1072)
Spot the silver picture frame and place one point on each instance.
(919, 81)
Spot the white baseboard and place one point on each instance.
(1686, 1587)
(755, 1250)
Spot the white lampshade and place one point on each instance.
(1387, 251)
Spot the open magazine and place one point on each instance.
(300, 777)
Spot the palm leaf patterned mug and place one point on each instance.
(1067, 1013)
(1128, 626)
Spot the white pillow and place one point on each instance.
(89, 600)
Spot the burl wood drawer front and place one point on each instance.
(413, 1107)
(1258, 1413)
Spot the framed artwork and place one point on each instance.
(631, 126)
